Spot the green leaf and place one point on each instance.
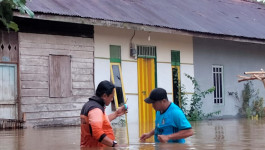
(29, 12)
(23, 8)
(13, 25)
(4, 21)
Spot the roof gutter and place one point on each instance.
(134, 26)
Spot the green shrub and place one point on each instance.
(195, 112)
(252, 103)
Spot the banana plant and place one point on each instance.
(6, 12)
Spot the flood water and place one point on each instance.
(229, 134)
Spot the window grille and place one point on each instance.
(218, 84)
(146, 51)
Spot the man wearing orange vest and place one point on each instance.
(96, 130)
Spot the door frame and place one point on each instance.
(146, 52)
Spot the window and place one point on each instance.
(60, 76)
(218, 84)
(146, 51)
(175, 65)
(115, 54)
(116, 76)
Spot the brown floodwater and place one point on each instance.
(232, 134)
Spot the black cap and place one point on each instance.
(157, 94)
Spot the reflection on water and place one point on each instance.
(217, 134)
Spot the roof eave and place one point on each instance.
(139, 27)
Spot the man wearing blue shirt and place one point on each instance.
(171, 124)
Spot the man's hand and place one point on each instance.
(147, 135)
(144, 137)
(117, 113)
(121, 111)
(163, 138)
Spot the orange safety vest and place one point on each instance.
(95, 124)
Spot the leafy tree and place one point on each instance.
(6, 12)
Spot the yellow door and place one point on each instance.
(146, 82)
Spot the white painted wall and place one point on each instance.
(106, 36)
(187, 69)
(164, 76)
(129, 72)
(102, 71)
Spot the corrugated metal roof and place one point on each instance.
(223, 17)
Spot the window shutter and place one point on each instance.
(60, 76)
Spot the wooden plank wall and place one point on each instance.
(37, 107)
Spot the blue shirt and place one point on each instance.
(171, 121)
